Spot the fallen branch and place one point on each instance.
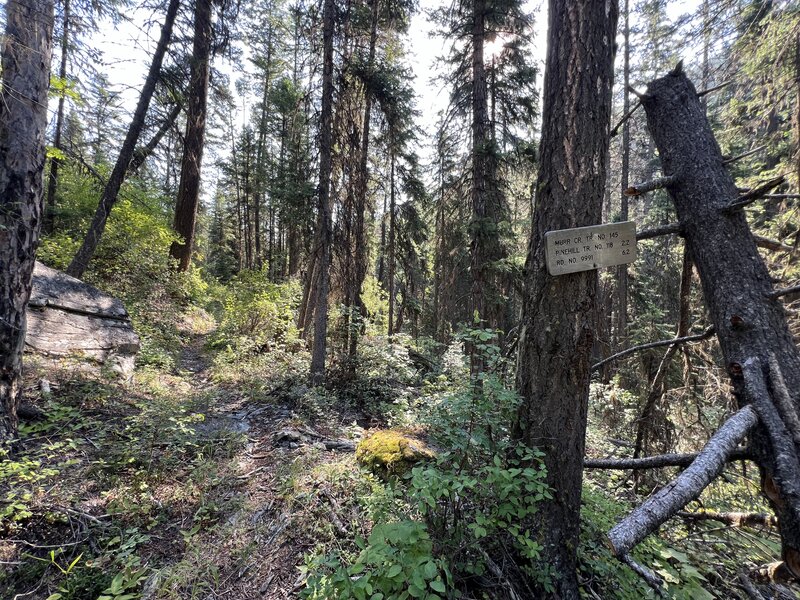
(650, 578)
(750, 589)
(682, 340)
(343, 445)
(688, 486)
(770, 244)
(657, 462)
(782, 196)
(754, 194)
(735, 519)
(649, 186)
(659, 231)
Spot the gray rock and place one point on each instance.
(69, 318)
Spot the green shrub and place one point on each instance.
(257, 315)
(396, 562)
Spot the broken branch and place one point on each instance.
(625, 117)
(649, 186)
(650, 578)
(783, 291)
(735, 519)
(713, 89)
(770, 244)
(754, 194)
(733, 159)
(688, 486)
(681, 340)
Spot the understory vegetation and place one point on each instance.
(207, 472)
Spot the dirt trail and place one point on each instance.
(253, 549)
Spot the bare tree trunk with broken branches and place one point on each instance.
(757, 346)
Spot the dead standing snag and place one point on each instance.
(749, 322)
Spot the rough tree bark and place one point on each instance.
(622, 272)
(194, 140)
(757, 346)
(392, 260)
(27, 46)
(324, 217)
(81, 259)
(558, 317)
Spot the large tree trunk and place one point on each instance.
(558, 312)
(23, 119)
(392, 259)
(487, 198)
(52, 178)
(324, 217)
(194, 141)
(81, 259)
(756, 343)
(622, 273)
(360, 268)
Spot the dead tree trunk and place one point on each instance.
(324, 216)
(23, 119)
(760, 355)
(52, 178)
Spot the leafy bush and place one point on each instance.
(257, 315)
(396, 562)
(449, 517)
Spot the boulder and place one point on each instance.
(70, 318)
(392, 451)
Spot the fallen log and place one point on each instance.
(688, 486)
(749, 323)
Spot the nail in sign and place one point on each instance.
(587, 248)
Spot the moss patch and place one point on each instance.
(392, 451)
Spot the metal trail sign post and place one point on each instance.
(587, 248)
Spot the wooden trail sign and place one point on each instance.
(587, 248)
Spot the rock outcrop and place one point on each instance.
(70, 318)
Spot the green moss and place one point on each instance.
(391, 451)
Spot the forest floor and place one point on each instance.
(182, 483)
(221, 475)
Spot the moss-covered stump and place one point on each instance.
(392, 451)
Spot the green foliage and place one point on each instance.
(256, 314)
(612, 579)
(476, 500)
(396, 562)
(376, 301)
